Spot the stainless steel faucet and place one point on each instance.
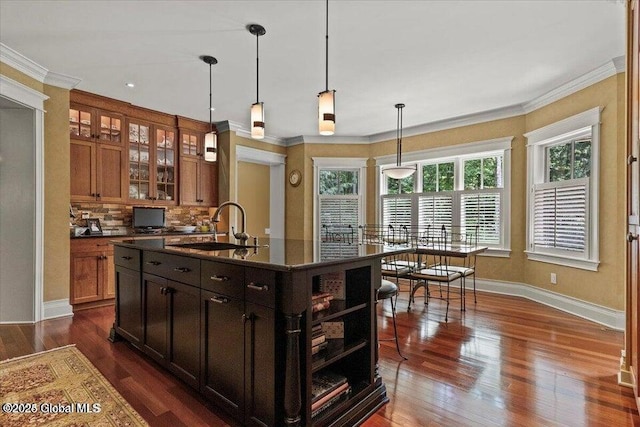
(242, 236)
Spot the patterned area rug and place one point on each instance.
(60, 387)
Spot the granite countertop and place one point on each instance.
(281, 254)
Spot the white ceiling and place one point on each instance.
(443, 59)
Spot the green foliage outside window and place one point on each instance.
(400, 186)
(571, 160)
(338, 182)
(483, 173)
(437, 177)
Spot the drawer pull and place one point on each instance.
(182, 269)
(258, 287)
(156, 263)
(220, 278)
(219, 300)
(126, 258)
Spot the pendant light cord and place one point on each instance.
(326, 38)
(210, 101)
(257, 69)
(399, 136)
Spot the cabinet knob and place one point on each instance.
(126, 258)
(182, 269)
(153, 262)
(631, 237)
(98, 195)
(252, 285)
(219, 278)
(631, 159)
(219, 300)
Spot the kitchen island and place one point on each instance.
(238, 325)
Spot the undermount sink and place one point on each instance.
(212, 246)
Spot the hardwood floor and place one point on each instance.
(506, 361)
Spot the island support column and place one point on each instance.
(292, 393)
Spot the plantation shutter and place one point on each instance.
(396, 211)
(482, 210)
(435, 211)
(336, 214)
(560, 215)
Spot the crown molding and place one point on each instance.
(318, 139)
(61, 80)
(21, 63)
(228, 125)
(610, 68)
(32, 69)
(25, 95)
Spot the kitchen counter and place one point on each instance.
(132, 234)
(239, 325)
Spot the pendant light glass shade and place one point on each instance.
(398, 171)
(327, 98)
(210, 138)
(211, 147)
(257, 109)
(257, 120)
(327, 112)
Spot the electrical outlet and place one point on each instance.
(554, 279)
(267, 231)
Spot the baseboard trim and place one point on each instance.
(57, 308)
(613, 319)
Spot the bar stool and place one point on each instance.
(389, 290)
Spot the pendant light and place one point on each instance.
(398, 171)
(257, 109)
(210, 138)
(326, 99)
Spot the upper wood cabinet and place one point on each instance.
(122, 153)
(97, 157)
(198, 178)
(152, 163)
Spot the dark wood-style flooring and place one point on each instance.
(506, 361)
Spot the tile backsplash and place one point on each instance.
(117, 218)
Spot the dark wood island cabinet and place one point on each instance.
(238, 325)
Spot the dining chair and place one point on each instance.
(467, 236)
(389, 290)
(438, 271)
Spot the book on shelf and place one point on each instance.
(318, 340)
(319, 306)
(324, 382)
(329, 397)
(321, 296)
(318, 348)
(333, 283)
(333, 330)
(333, 400)
(316, 330)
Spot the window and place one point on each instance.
(465, 186)
(563, 201)
(340, 201)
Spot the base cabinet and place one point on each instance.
(243, 336)
(171, 326)
(91, 271)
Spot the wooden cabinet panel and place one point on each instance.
(129, 303)
(189, 181)
(111, 165)
(156, 313)
(82, 162)
(209, 183)
(108, 275)
(184, 335)
(223, 351)
(86, 277)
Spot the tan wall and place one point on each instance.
(56, 195)
(606, 286)
(254, 194)
(56, 188)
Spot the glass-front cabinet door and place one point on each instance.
(110, 128)
(139, 161)
(165, 164)
(190, 145)
(81, 123)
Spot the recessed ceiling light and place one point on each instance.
(130, 84)
(213, 108)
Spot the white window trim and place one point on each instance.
(337, 163)
(459, 153)
(537, 140)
